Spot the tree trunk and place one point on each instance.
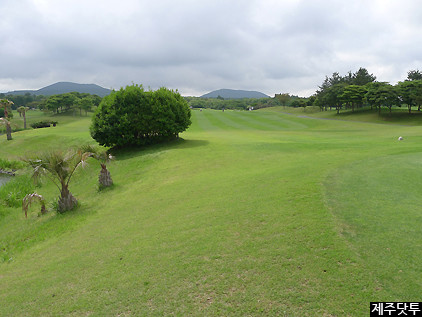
(24, 120)
(66, 200)
(8, 131)
(105, 177)
(43, 210)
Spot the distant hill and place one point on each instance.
(234, 94)
(65, 87)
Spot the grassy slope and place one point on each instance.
(251, 213)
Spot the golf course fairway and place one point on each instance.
(249, 213)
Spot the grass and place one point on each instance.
(250, 214)
(32, 116)
(15, 190)
(397, 116)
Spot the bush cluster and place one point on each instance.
(43, 124)
(10, 165)
(133, 116)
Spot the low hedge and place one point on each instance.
(43, 124)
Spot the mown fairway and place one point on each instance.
(252, 213)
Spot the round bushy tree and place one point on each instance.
(133, 116)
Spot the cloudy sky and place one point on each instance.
(197, 46)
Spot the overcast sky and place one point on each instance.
(272, 46)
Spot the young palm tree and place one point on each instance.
(22, 111)
(8, 128)
(101, 155)
(29, 199)
(59, 167)
(5, 104)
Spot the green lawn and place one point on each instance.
(250, 214)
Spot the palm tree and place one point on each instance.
(5, 103)
(22, 111)
(31, 198)
(8, 128)
(59, 167)
(101, 155)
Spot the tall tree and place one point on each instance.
(85, 104)
(381, 94)
(332, 97)
(22, 111)
(414, 75)
(6, 104)
(407, 91)
(282, 98)
(52, 103)
(416, 94)
(62, 101)
(353, 95)
(335, 79)
(362, 77)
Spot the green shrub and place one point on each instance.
(43, 124)
(11, 165)
(132, 116)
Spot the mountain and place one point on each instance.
(65, 87)
(234, 94)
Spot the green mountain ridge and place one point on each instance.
(234, 94)
(65, 87)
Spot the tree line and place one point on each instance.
(26, 100)
(220, 103)
(360, 89)
(56, 103)
(70, 101)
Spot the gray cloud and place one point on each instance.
(198, 46)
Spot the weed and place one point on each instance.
(11, 165)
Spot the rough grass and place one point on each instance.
(250, 214)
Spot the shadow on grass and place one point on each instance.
(397, 116)
(106, 189)
(133, 151)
